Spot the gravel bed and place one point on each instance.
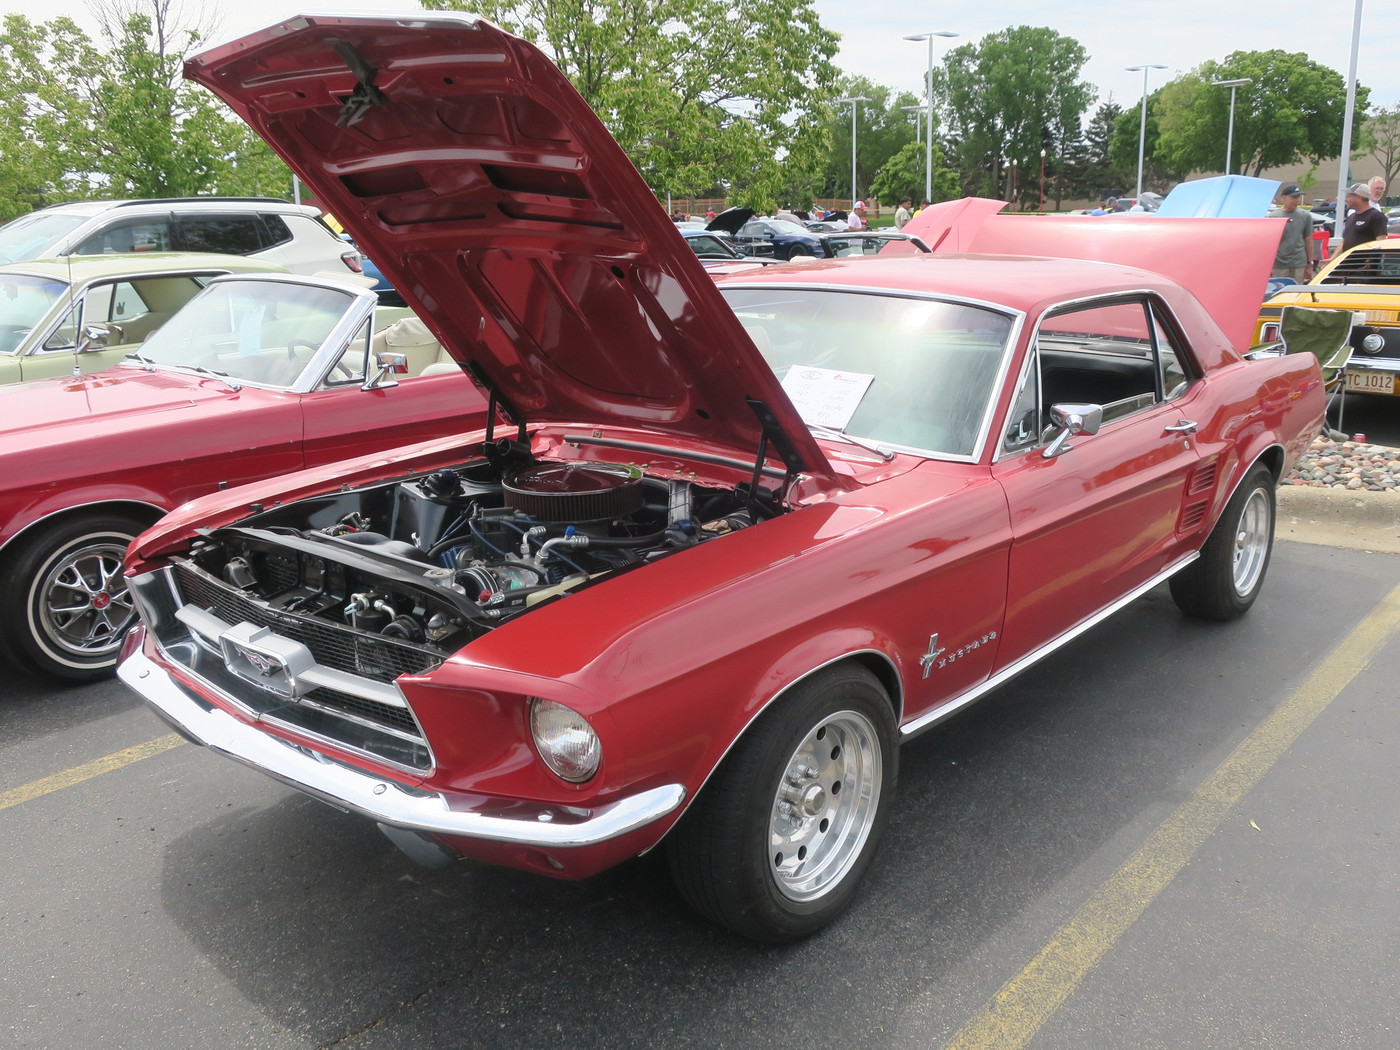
(1347, 465)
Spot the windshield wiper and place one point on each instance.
(869, 446)
(146, 362)
(233, 384)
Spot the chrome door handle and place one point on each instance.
(1183, 426)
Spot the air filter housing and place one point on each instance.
(575, 492)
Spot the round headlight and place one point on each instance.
(565, 740)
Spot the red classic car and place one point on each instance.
(256, 376)
(723, 544)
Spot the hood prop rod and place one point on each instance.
(366, 95)
(496, 403)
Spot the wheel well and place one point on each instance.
(1272, 457)
(879, 665)
(144, 511)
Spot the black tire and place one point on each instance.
(1224, 581)
(777, 843)
(798, 251)
(64, 597)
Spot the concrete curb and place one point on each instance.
(1363, 521)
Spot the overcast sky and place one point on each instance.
(1179, 34)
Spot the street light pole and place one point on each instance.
(918, 121)
(1230, 133)
(1142, 126)
(855, 101)
(1041, 209)
(928, 89)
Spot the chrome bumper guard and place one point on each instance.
(386, 801)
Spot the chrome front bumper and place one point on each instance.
(387, 801)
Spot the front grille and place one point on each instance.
(345, 649)
(364, 721)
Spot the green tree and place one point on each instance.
(113, 118)
(698, 92)
(1292, 110)
(1009, 96)
(903, 176)
(883, 128)
(1380, 141)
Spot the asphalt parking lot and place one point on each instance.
(1171, 834)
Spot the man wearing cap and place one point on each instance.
(1295, 247)
(1366, 223)
(856, 220)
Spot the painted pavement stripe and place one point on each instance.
(107, 764)
(1011, 1019)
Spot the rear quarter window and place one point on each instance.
(229, 234)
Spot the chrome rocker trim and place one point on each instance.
(385, 801)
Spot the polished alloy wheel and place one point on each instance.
(825, 805)
(83, 606)
(1252, 535)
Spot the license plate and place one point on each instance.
(1371, 382)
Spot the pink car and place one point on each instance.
(725, 544)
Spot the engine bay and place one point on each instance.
(438, 559)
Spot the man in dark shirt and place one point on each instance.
(1366, 222)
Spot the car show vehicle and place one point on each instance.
(256, 376)
(724, 542)
(45, 306)
(274, 231)
(1366, 281)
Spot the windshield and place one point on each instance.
(36, 235)
(787, 228)
(918, 374)
(23, 303)
(255, 331)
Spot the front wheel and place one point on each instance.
(777, 843)
(1224, 581)
(66, 599)
(798, 251)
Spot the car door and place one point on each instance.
(1111, 511)
(342, 420)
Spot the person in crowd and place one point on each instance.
(1366, 222)
(1295, 248)
(1377, 187)
(922, 205)
(902, 214)
(856, 220)
(1108, 206)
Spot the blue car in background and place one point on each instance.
(388, 294)
(767, 238)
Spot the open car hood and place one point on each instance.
(731, 220)
(496, 202)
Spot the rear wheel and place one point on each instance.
(776, 845)
(798, 251)
(66, 599)
(1224, 581)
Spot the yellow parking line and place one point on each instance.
(44, 785)
(1016, 1013)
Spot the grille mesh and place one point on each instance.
(371, 656)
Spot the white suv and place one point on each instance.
(263, 228)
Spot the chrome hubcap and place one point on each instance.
(824, 806)
(1252, 535)
(84, 608)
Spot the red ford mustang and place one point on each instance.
(725, 545)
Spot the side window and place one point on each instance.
(230, 234)
(125, 304)
(1116, 354)
(350, 366)
(276, 230)
(139, 235)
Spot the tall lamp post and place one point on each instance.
(928, 88)
(1230, 133)
(1041, 209)
(855, 101)
(918, 121)
(1142, 125)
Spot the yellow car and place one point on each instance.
(1366, 280)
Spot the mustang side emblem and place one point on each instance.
(934, 652)
(935, 656)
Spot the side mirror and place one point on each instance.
(1070, 420)
(390, 363)
(98, 335)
